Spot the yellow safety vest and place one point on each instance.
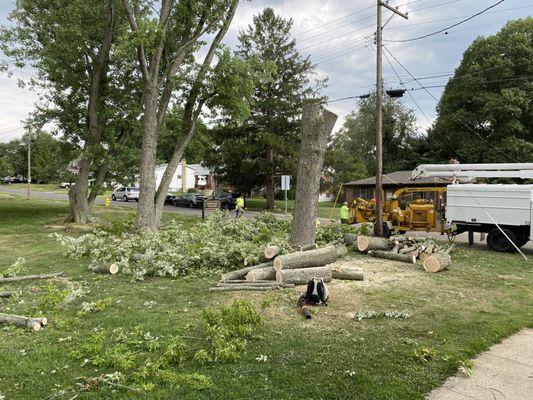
(240, 202)
(345, 212)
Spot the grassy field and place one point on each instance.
(324, 208)
(451, 316)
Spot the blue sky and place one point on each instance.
(337, 36)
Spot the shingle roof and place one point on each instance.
(396, 178)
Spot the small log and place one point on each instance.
(423, 255)
(437, 262)
(105, 269)
(430, 248)
(272, 284)
(42, 321)
(262, 274)
(408, 258)
(25, 322)
(407, 249)
(366, 243)
(313, 246)
(347, 273)
(302, 276)
(350, 239)
(249, 283)
(8, 294)
(30, 277)
(396, 248)
(270, 252)
(232, 288)
(241, 273)
(310, 259)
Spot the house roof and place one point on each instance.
(200, 170)
(397, 178)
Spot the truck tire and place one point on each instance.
(497, 241)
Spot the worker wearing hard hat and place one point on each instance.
(344, 213)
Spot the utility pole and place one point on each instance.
(378, 229)
(29, 165)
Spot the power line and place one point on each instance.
(453, 115)
(333, 56)
(449, 27)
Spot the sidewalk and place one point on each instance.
(503, 372)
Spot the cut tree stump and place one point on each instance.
(30, 277)
(303, 275)
(310, 259)
(241, 273)
(366, 243)
(436, 262)
(105, 269)
(347, 273)
(271, 252)
(8, 294)
(262, 274)
(33, 324)
(408, 258)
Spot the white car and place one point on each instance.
(125, 194)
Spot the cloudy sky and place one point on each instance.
(338, 36)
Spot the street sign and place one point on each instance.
(285, 182)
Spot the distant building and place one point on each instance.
(203, 178)
(365, 188)
(176, 184)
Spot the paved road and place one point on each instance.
(503, 372)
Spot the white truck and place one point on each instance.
(504, 212)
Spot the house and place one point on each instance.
(203, 177)
(177, 183)
(365, 188)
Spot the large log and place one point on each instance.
(30, 277)
(250, 284)
(310, 259)
(366, 243)
(33, 324)
(350, 239)
(408, 258)
(105, 269)
(303, 275)
(241, 273)
(436, 262)
(262, 274)
(347, 273)
(240, 288)
(270, 252)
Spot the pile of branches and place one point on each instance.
(434, 257)
(290, 269)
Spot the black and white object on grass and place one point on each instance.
(317, 292)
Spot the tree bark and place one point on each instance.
(250, 288)
(350, 239)
(303, 275)
(34, 324)
(316, 129)
(408, 258)
(262, 274)
(436, 262)
(310, 258)
(79, 210)
(8, 294)
(105, 269)
(31, 277)
(241, 273)
(347, 273)
(366, 243)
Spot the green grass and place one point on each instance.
(480, 299)
(324, 208)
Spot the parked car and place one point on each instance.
(190, 200)
(126, 194)
(227, 200)
(169, 199)
(14, 179)
(65, 185)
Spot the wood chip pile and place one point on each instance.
(434, 257)
(287, 270)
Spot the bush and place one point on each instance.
(192, 190)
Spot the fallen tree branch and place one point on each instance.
(30, 277)
(8, 294)
(241, 273)
(408, 258)
(34, 324)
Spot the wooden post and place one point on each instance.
(317, 124)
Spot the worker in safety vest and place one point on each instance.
(239, 206)
(345, 213)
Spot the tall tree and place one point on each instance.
(486, 113)
(266, 144)
(87, 87)
(351, 154)
(166, 43)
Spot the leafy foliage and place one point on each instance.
(15, 269)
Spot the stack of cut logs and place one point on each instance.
(434, 258)
(288, 270)
(34, 324)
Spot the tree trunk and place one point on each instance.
(408, 258)
(262, 274)
(437, 262)
(79, 210)
(347, 273)
(241, 273)
(304, 275)
(270, 181)
(310, 258)
(366, 243)
(316, 129)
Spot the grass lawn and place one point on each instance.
(324, 208)
(482, 298)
